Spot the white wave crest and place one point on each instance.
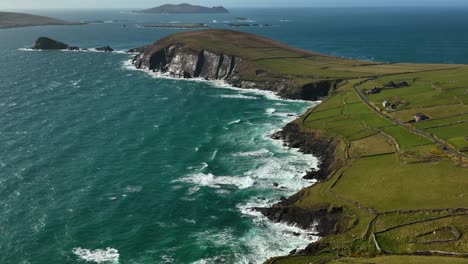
(108, 255)
(238, 121)
(133, 189)
(239, 96)
(270, 111)
(270, 95)
(257, 153)
(212, 181)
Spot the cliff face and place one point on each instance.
(180, 62)
(326, 219)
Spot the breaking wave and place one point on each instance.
(108, 255)
(212, 181)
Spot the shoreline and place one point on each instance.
(289, 139)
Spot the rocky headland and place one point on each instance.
(175, 58)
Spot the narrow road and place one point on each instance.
(446, 146)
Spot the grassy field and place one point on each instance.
(402, 185)
(333, 259)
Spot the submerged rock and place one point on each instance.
(44, 43)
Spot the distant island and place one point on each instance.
(176, 25)
(183, 9)
(13, 20)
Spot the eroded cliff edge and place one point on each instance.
(179, 61)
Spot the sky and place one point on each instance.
(31, 4)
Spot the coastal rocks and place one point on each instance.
(44, 43)
(309, 143)
(138, 50)
(105, 49)
(324, 221)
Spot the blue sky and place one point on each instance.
(25, 4)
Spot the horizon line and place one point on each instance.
(241, 7)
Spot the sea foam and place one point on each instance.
(127, 64)
(108, 255)
(212, 181)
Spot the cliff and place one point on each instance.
(184, 9)
(180, 59)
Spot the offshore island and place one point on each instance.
(14, 20)
(183, 9)
(392, 139)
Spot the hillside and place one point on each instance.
(12, 20)
(184, 9)
(392, 139)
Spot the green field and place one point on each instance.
(402, 186)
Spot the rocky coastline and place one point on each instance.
(180, 62)
(324, 220)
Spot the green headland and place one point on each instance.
(392, 137)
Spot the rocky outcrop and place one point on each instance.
(138, 50)
(324, 221)
(180, 62)
(309, 143)
(105, 49)
(44, 43)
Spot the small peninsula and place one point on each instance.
(184, 9)
(14, 20)
(392, 140)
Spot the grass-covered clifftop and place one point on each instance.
(393, 139)
(12, 20)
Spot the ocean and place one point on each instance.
(101, 163)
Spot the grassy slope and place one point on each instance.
(395, 181)
(12, 20)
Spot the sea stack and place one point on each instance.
(44, 43)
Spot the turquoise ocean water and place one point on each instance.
(100, 163)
